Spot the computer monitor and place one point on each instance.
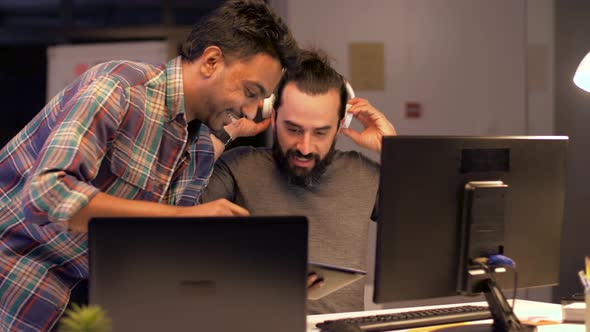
(444, 201)
(200, 274)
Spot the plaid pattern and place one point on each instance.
(118, 129)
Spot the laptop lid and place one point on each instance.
(200, 274)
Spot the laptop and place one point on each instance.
(200, 274)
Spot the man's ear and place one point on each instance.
(211, 61)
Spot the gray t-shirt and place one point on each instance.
(338, 209)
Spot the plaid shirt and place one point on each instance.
(119, 129)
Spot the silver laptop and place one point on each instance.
(200, 274)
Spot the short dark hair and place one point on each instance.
(242, 28)
(313, 75)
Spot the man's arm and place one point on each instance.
(59, 189)
(375, 125)
(222, 182)
(104, 205)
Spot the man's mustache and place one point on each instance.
(298, 154)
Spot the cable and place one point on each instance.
(514, 291)
(500, 261)
(505, 261)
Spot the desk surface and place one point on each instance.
(525, 310)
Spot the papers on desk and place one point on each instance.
(539, 323)
(437, 327)
(574, 312)
(562, 328)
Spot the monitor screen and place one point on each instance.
(431, 224)
(236, 273)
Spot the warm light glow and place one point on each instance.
(582, 76)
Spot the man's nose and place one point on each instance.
(304, 144)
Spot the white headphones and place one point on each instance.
(267, 106)
(348, 116)
(269, 102)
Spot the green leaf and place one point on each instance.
(90, 318)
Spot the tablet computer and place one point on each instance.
(334, 277)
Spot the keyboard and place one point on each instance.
(406, 320)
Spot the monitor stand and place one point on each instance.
(504, 318)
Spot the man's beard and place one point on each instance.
(304, 177)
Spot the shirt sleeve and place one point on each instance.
(71, 156)
(373, 170)
(222, 183)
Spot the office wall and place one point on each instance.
(540, 69)
(462, 60)
(572, 118)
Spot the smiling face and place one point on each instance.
(305, 129)
(232, 87)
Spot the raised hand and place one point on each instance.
(374, 122)
(243, 127)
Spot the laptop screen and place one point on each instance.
(200, 274)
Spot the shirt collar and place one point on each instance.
(174, 89)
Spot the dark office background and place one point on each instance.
(28, 27)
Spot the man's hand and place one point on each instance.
(314, 281)
(239, 128)
(218, 207)
(375, 123)
(243, 127)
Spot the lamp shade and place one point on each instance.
(582, 76)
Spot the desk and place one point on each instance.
(524, 310)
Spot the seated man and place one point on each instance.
(303, 173)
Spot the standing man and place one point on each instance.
(303, 174)
(126, 139)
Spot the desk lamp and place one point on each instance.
(582, 76)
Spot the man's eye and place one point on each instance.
(293, 130)
(320, 133)
(250, 94)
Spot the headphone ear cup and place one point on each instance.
(349, 90)
(350, 94)
(267, 106)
